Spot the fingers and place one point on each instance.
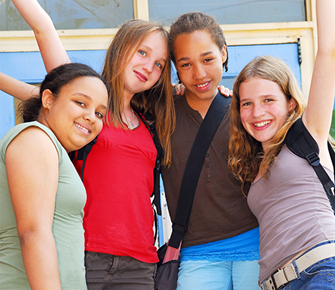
(179, 89)
(225, 91)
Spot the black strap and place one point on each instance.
(157, 193)
(157, 170)
(194, 166)
(83, 153)
(302, 143)
(146, 119)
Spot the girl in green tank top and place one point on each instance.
(41, 194)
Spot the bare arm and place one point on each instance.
(16, 88)
(318, 115)
(33, 181)
(50, 45)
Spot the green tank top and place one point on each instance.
(67, 223)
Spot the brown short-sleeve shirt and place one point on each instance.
(219, 210)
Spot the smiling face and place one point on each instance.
(263, 109)
(146, 65)
(199, 62)
(76, 114)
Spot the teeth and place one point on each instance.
(201, 86)
(82, 128)
(261, 124)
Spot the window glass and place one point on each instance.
(71, 14)
(230, 11)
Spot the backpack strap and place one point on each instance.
(82, 154)
(160, 154)
(302, 144)
(194, 166)
(145, 118)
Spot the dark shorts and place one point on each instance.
(104, 271)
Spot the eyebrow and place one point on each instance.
(148, 47)
(201, 55)
(89, 98)
(261, 97)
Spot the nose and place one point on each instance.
(149, 65)
(90, 115)
(257, 110)
(198, 72)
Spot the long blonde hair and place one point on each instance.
(158, 100)
(246, 154)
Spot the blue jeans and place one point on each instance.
(220, 275)
(320, 276)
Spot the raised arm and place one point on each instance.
(16, 88)
(318, 115)
(50, 45)
(33, 182)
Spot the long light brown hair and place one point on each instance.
(158, 100)
(246, 154)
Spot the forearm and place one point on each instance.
(50, 45)
(40, 259)
(16, 88)
(320, 103)
(325, 26)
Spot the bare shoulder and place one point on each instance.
(31, 143)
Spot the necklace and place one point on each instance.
(131, 122)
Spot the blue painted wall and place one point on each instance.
(28, 67)
(239, 56)
(7, 116)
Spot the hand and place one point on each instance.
(225, 91)
(179, 89)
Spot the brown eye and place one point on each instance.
(80, 103)
(100, 115)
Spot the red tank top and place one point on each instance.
(118, 179)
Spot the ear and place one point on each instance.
(224, 54)
(291, 105)
(47, 99)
